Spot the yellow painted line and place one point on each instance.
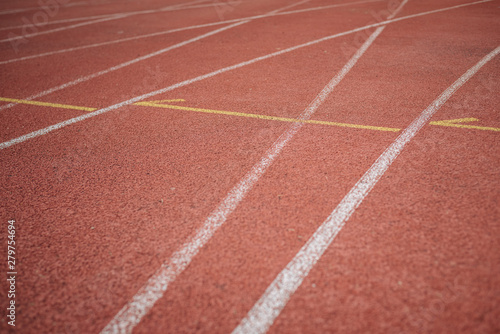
(453, 123)
(271, 118)
(174, 100)
(47, 104)
(356, 126)
(485, 128)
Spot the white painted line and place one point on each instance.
(83, 47)
(59, 21)
(28, 9)
(201, 77)
(45, 32)
(68, 5)
(107, 18)
(131, 314)
(167, 9)
(18, 10)
(277, 295)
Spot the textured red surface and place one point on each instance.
(102, 203)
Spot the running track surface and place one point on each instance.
(189, 188)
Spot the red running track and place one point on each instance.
(103, 204)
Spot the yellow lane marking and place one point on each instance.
(456, 123)
(47, 104)
(272, 118)
(453, 123)
(457, 120)
(174, 100)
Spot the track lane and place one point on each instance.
(95, 135)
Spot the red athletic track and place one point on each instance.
(101, 204)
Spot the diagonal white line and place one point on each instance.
(28, 9)
(68, 5)
(75, 19)
(277, 295)
(18, 10)
(74, 120)
(17, 37)
(131, 314)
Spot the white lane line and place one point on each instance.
(277, 295)
(131, 314)
(178, 7)
(18, 10)
(83, 47)
(68, 5)
(28, 9)
(199, 78)
(18, 37)
(58, 21)
(107, 18)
